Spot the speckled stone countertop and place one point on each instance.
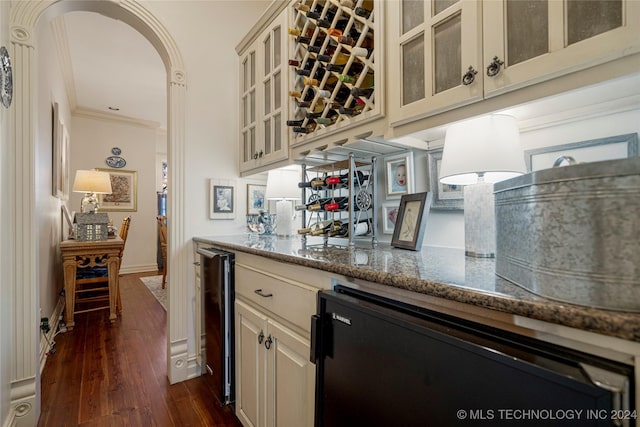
(436, 271)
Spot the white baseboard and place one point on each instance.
(139, 268)
(54, 321)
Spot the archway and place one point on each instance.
(25, 17)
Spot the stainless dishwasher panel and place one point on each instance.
(217, 297)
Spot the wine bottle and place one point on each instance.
(315, 226)
(316, 205)
(364, 9)
(360, 229)
(296, 123)
(362, 92)
(302, 7)
(315, 182)
(328, 228)
(294, 62)
(351, 111)
(347, 3)
(330, 119)
(309, 128)
(366, 82)
(344, 178)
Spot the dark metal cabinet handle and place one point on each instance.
(268, 342)
(196, 263)
(494, 68)
(260, 337)
(262, 294)
(469, 76)
(255, 156)
(260, 154)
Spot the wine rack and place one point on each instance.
(357, 192)
(332, 65)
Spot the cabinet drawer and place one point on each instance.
(290, 301)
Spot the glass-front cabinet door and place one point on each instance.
(435, 48)
(248, 137)
(262, 132)
(528, 41)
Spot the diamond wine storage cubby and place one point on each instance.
(334, 66)
(339, 200)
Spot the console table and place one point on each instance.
(77, 254)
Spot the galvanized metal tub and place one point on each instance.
(573, 233)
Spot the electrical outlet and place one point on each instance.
(44, 324)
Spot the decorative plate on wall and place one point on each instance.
(115, 162)
(6, 78)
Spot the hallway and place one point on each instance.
(112, 375)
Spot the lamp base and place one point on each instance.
(284, 213)
(479, 221)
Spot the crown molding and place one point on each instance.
(99, 115)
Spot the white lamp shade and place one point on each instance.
(488, 146)
(91, 181)
(282, 184)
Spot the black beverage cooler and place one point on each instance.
(380, 362)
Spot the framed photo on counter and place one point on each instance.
(412, 221)
(399, 175)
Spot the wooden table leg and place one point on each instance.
(112, 266)
(69, 267)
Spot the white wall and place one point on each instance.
(49, 214)
(92, 139)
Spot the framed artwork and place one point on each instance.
(445, 196)
(411, 221)
(60, 156)
(124, 184)
(614, 147)
(399, 175)
(255, 198)
(222, 199)
(389, 216)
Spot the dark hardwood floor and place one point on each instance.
(105, 374)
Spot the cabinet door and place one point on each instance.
(248, 110)
(291, 379)
(433, 44)
(272, 45)
(536, 40)
(250, 334)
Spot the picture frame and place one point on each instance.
(255, 198)
(124, 198)
(445, 196)
(389, 216)
(409, 229)
(593, 150)
(399, 175)
(222, 199)
(60, 156)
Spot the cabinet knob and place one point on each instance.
(260, 154)
(255, 156)
(260, 337)
(469, 76)
(268, 342)
(494, 68)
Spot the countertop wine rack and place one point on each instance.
(332, 64)
(361, 196)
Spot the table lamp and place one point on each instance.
(91, 182)
(282, 185)
(477, 153)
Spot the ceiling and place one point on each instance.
(108, 65)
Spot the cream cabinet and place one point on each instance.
(275, 381)
(263, 137)
(448, 53)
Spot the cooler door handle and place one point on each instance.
(315, 348)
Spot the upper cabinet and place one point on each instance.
(448, 53)
(263, 138)
(335, 66)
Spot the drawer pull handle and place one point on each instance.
(261, 337)
(262, 294)
(267, 343)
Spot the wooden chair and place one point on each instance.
(162, 235)
(92, 284)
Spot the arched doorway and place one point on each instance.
(25, 18)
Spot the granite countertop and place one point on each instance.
(441, 272)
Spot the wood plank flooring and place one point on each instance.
(105, 374)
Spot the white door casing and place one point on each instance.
(25, 17)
